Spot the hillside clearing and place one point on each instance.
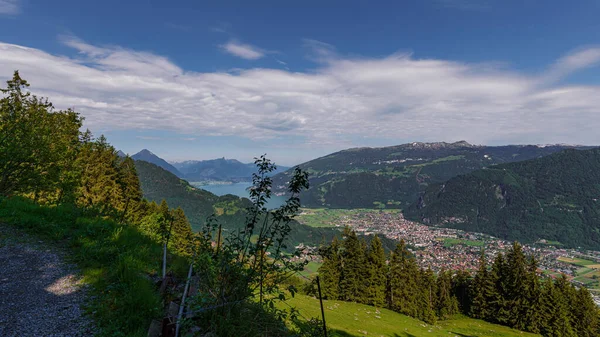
(354, 320)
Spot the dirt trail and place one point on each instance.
(40, 294)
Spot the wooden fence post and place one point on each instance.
(322, 311)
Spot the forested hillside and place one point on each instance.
(554, 198)
(393, 177)
(230, 210)
(157, 184)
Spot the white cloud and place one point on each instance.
(342, 101)
(243, 50)
(9, 6)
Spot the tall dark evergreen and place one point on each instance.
(498, 301)
(586, 319)
(404, 274)
(331, 270)
(377, 274)
(482, 291)
(425, 290)
(517, 292)
(534, 301)
(352, 276)
(446, 304)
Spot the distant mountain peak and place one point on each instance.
(147, 155)
(146, 152)
(121, 154)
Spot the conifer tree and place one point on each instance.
(181, 234)
(446, 304)
(351, 283)
(516, 294)
(482, 291)
(426, 291)
(130, 186)
(498, 303)
(404, 273)
(377, 274)
(534, 302)
(558, 323)
(330, 271)
(461, 285)
(587, 315)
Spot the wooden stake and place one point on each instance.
(182, 305)
(322, 311)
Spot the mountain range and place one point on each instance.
(553, 198)
(221, 169)
(395, 176)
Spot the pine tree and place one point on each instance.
(130, 186)
(481, 291)
(461, 285)
(446, 303)
(498, 304)
(587, 315)
(181, 233)
(351, 283)
(516, 292)
(534, 301)
(377, 272)
(330, 271)
(404, 274)
(557, 322)
(426, 291)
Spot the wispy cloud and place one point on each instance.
(243, 50)
(10, 7)
(344, 100)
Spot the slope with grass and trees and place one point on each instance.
(510, 292)
(556, 198)
(66, 187)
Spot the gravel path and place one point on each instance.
(40, 294)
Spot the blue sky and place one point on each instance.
(297, 80)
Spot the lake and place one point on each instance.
(240, 189)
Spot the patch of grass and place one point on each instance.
(576, 261)
(449, 242)
(352, 319)
(311, 269)
(326, 217)
(116, 260)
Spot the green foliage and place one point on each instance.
(553, 198)
(242, 277)
(376, 274)
(36, 142)
(511, 294)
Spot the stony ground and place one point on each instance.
(40, 293)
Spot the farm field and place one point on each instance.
(329, 217)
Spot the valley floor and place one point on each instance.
(40, 294)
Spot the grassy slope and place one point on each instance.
(351, 319)
(114, 259)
